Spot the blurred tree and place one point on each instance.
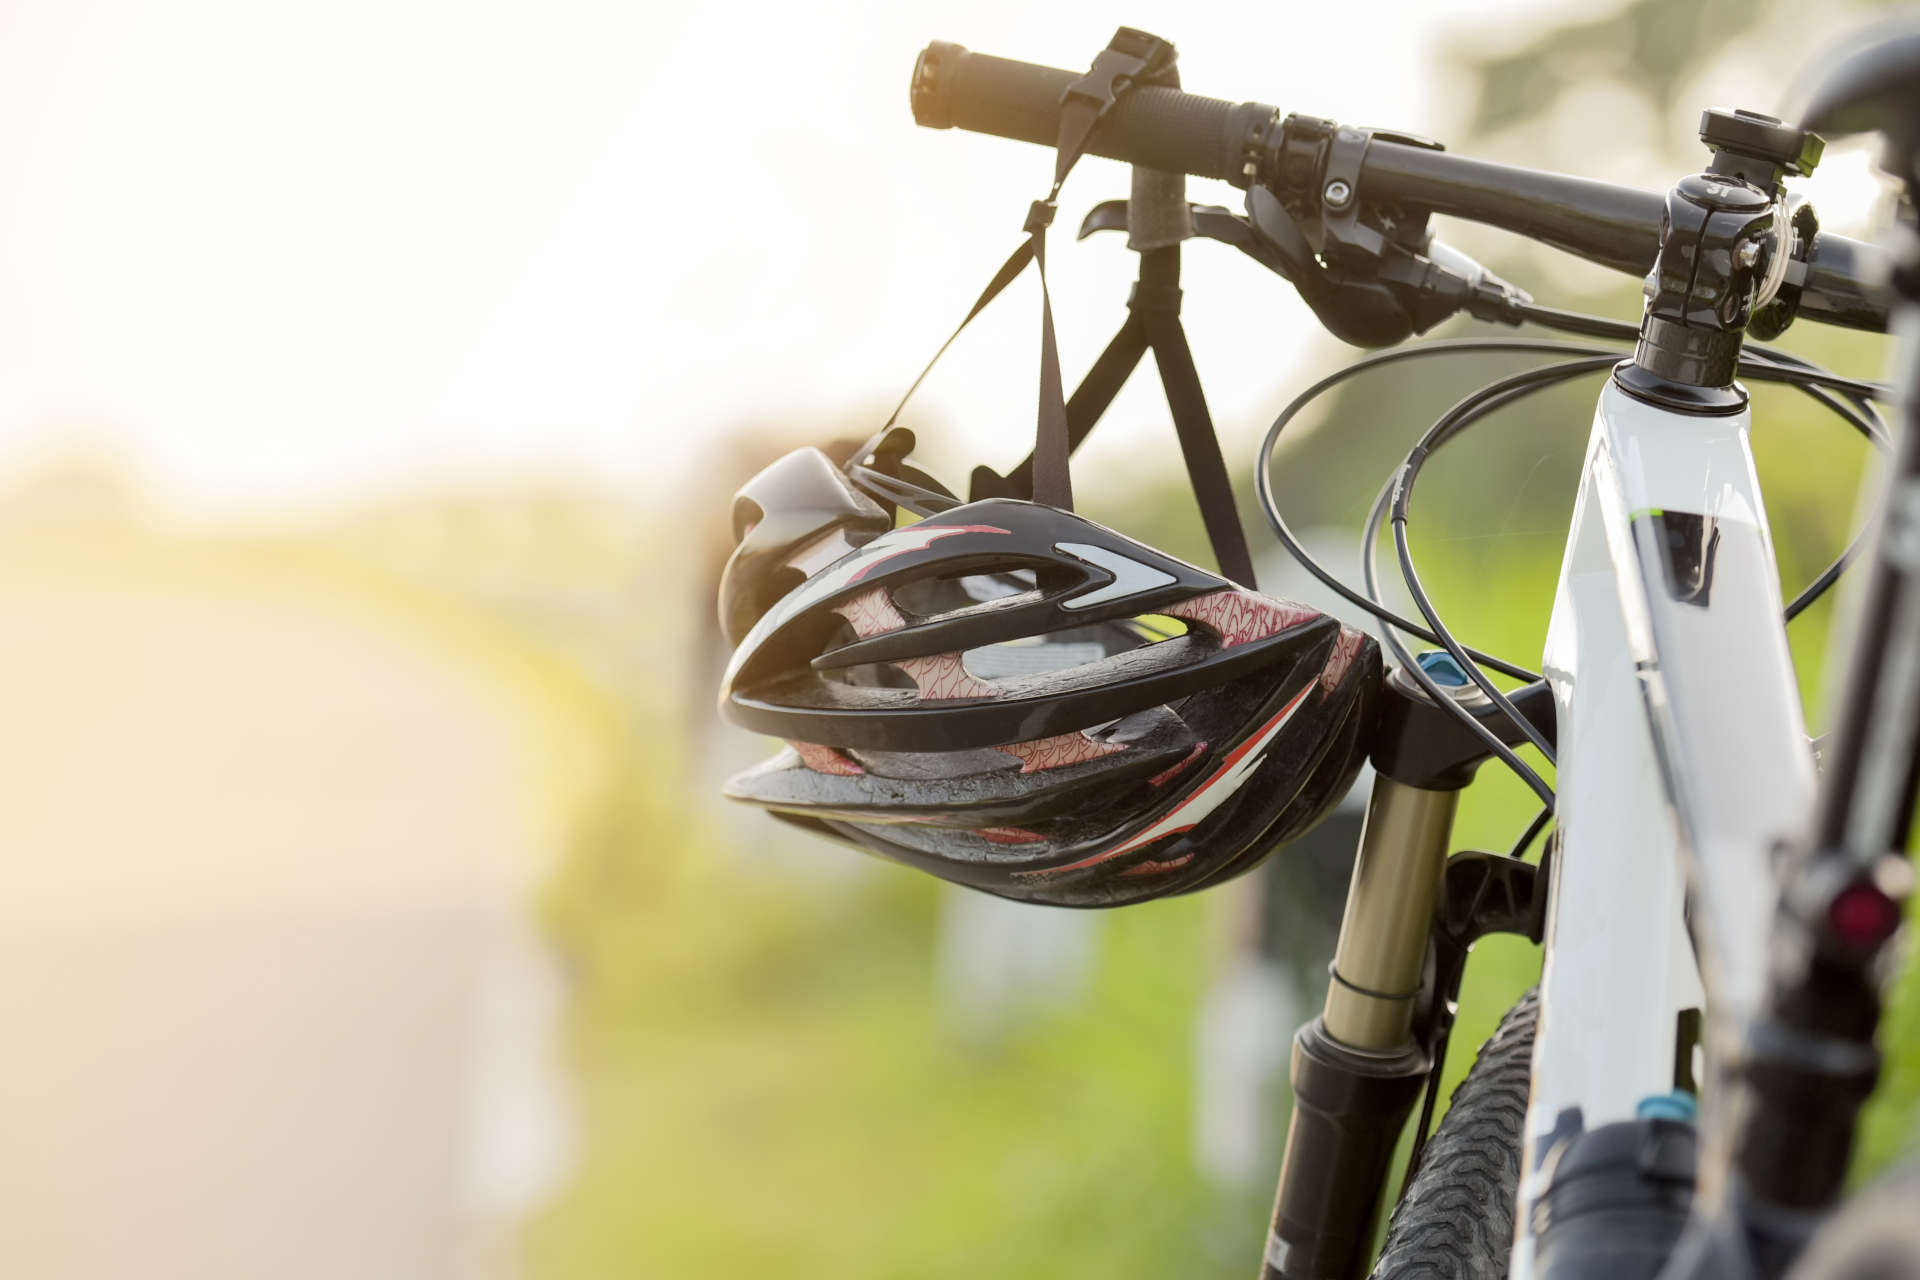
(1653, 46)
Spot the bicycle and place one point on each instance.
(1681, 1089)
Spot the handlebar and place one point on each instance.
(1244, 143)
(1166, 129)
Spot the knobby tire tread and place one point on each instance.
(1456, 1220)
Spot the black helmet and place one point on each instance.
(1018, 699)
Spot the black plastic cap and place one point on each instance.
(1762, 137)
(931, 72)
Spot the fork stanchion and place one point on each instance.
(1358, 1069)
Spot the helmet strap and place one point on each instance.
(1132, 59)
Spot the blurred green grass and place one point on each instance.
(769, 1088)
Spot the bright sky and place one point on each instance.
(288, 254)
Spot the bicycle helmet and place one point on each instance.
(1015, 698)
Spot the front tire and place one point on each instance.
(1456, 1220)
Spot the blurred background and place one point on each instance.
(373, 379)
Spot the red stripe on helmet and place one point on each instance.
(1171, 824)
(1167, 774)
(1158, 868)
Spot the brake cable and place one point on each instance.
(1764, 364)
(1269, 505)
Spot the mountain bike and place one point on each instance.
(1717, 908)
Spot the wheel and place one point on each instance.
(1456, 1220)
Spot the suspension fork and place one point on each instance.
(1358, 1068)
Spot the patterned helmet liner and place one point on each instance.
(1011, 781)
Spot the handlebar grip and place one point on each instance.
(1165, 129)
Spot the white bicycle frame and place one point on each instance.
(1683, 761)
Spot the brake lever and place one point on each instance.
(1108, 215)
(1288, 258)
(1407, 294)
(1359, 312)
